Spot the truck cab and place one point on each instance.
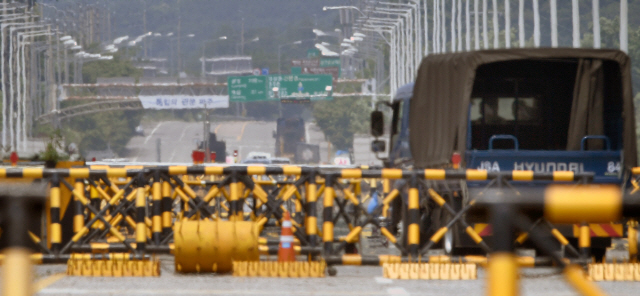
(560, 113)
(540, 110)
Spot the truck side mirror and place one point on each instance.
(378, 146)
(377, 123)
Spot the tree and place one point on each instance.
(119, 66)
(100, 131)
(341, 118)
(610, 38)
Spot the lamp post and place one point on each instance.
(407, 32)
(343, 7)
(13, 100)
(204, 46)
(21, 128)
(4, 25)
(388, 28)
(171, 41)
(280, 48)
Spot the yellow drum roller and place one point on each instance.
(211, 246)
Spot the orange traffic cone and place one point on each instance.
(285, 251)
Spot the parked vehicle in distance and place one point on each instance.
(139, 131)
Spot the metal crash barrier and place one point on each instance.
(212, 216)
(558, 204)
(20, 204)
(134, 210)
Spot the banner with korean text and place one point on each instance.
(184, 102)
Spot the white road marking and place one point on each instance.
(147, 139)
(152, 132)
(382, 280)
(397, 291)
(306, 132)
(175, 147)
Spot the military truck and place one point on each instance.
(215, 146)
(289, 132)
(542, 110)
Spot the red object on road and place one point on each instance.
(197, 156)
(213, 156)
(285, 250)
(14, 158)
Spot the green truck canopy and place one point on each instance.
(443, 89)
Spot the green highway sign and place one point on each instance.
(290, 87)
(247, 88)
(330, 62)
(313, 53)
(314, 87)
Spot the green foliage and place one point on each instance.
(51, 151)
(610, 38)
(341, 118)
(118, 67)
(100, 131)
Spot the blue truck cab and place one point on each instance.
(541, 110)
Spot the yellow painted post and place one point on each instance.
(413, 235)
(584, 240)
(156, 219)
(167, 204)
(312, 220)
(141, 228)
(56, 228)
(327, 216)
(78, 218)
(502, 274)
(234, 201)
(20, 203)
(95, 203)
(17, 276)
(632, 232)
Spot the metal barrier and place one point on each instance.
(20, 203)
(559, 204)
(128, 214)
(132, 210)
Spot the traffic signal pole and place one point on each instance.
(205, 133)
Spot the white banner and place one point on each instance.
(184, 102)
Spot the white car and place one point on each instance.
(139, 130)
(258, 155)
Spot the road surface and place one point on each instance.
(179, 138)
(350, 280)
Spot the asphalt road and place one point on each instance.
(178, 139)
(350, 280)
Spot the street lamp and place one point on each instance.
(325, 51)
(204, 45)
(280, 48)
(119, 40)
(343, 7)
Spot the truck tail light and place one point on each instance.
(455, 159)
